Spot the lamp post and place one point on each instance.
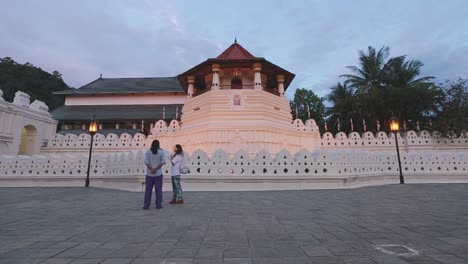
(93, 128)
(395, 127)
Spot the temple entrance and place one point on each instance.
(29, 141)
(236, 83)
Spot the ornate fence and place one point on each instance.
(344, 165)
(367, 141)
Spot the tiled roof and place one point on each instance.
(128, 85)
(235, 52)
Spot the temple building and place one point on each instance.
(233, 101)
(127, 104)
(121, 105)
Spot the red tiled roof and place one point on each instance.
(235, 52)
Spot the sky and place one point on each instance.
(316, 40)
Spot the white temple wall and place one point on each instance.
(254, 140)
(25, 126)
(264, 171)
(254, 109)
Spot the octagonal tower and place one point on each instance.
(236, 101)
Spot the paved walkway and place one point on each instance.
(421, 224)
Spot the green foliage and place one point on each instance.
(343, 109)
(32, 80)
(452, 109)
(308, 105)
(381, 87)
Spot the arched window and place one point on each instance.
(236, 83)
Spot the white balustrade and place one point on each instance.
(410, 140)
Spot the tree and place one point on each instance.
(371, 71)
(32, 80)
(385, 87)
(451, 115)
(308, 105)
(409, 97)
(343, 108)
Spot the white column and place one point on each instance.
(191, 82)
(215, 83)
(2, 115)
(83, 126)
(117, 126)
(280, 80)
(257, 77)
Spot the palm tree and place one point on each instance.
(389, 86)
(343, 100)
(341, 97)
(371, 70)
(408, 96)
(402, 73)
(369, 81)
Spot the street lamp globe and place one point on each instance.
(394, 125)
(93, 128)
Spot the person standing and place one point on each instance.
(177, 159)
(154, 160)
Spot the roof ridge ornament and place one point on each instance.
(235, 39)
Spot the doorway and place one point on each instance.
(29, 144)
(236, 83)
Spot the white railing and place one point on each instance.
(410, 140)
(324, 163)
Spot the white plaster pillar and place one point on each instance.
(134, 125)
(257, 77)
(280, 80)
(215, 84)
(190, 90)
(3, 116)
(117, 126)
(83, 126)
(100, 126)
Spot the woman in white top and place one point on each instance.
(176, 160)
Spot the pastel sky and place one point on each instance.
(313, 39)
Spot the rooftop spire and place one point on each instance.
(235, 39)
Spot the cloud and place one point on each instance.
(123, 40)
(313, 39)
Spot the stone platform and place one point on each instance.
(409, 223)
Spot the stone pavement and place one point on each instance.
(398, 224)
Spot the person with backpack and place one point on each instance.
(154, 160)
(178, 168)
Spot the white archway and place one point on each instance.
(29, 144)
